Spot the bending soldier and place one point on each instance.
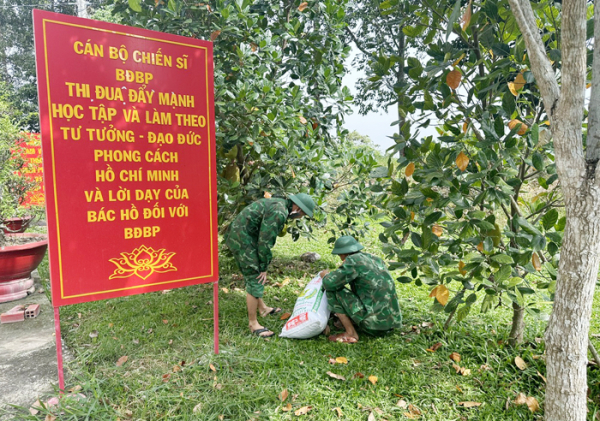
(371, 303)
(250, 238)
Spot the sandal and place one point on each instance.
(258, 332)
(274, 311)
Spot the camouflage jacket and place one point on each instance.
(372, 283)
(257, 227)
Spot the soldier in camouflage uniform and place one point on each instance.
(371, 303)
(250, 238)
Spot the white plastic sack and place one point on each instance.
(310, 312)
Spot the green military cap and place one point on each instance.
(305, 202)
(346, 245)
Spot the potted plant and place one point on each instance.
(20, 253)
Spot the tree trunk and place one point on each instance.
(518, 325)
(567, 334)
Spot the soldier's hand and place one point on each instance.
(262, 278)
(323, 273)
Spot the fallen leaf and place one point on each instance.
(214, 35)
(402, 404)
(469, 404)
(335, 376)
(165, 322)
(221, 417)
(520, 363)
(436, 346)
(359, 375)
(543, 378)
(166, 377)
(176, 369)
(283, 395)
(33, 410)
(50, 418)
(530, 401)
(411, 416)
(341, 360)
(340, 414)
(303, 411)
(373, 379)
(218, 386)
(285, 316)
(94, 334)
(197, 408)
(427, 324)
(332, 361)
(75, 389)
(410, 169)
(462, 161)
(453, 79)
(212, 367)
(287, 408)
(437, 230)
(122, 360)
(371, 417)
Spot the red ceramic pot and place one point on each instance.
(16, 265)
(16, 225)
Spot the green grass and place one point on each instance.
(168, 339)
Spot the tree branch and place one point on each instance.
(592, 152)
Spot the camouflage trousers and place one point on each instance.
(245, 253)
(347, 302)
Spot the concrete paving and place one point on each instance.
(28, 366)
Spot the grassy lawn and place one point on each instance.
(171, 372)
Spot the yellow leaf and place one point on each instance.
(341, 360)
(212, 367)
(522, 128)
(340, 414)
(225, 291)
(519, 362)
(335, 376)
(287, 408)
(512, 89)
(176, 368)
(437, 230)
(410, 169)
(303, 411)
(519, 82)
(532, 404)
(302, 120)
(455, 356)
(373, 379)
(267, 195)
(466, 19)
(465, 127)
(588, 86)
(412, 216)
(535, 261)
(469, 404)
(285, 316)
(462, 161)
(453, 79)
(480, 247)
(122, 360)
(441, 294)
(461, 268)
(283, 395)
(459, 59)
(303, 6)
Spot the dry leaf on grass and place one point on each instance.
(197, 408)
(340, 414)
(176, 369)
(435, 347)
(303, 411)
(332, 361)
(455, 356)
(469, 404)
(94, 334)
(371, 417)
(335, 376)
(520, 363)
(122, 360)
(373, 379)
(359, 375)
(543, 378)
(285, 316)
(287, 408)
(212, 367)
(413, 412)
(50, 418)
(402, 404)
(530, 401)
(461, 370)
(341, 360)
(427, 324)
(283, 395)
(166, 377)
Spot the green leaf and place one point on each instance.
(462, 313)
(508, 104)
(430, 219)
(514, 281)
(560, 225)
(453, 18)
(538, 161)
(503, 273)
(502, 259)
(404, 280)
(379, 172)
(135, 5)
(550, 219)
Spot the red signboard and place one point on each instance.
(128, 142)
(30, 149)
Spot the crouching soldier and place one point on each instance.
(250, 238)
(371, 304)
